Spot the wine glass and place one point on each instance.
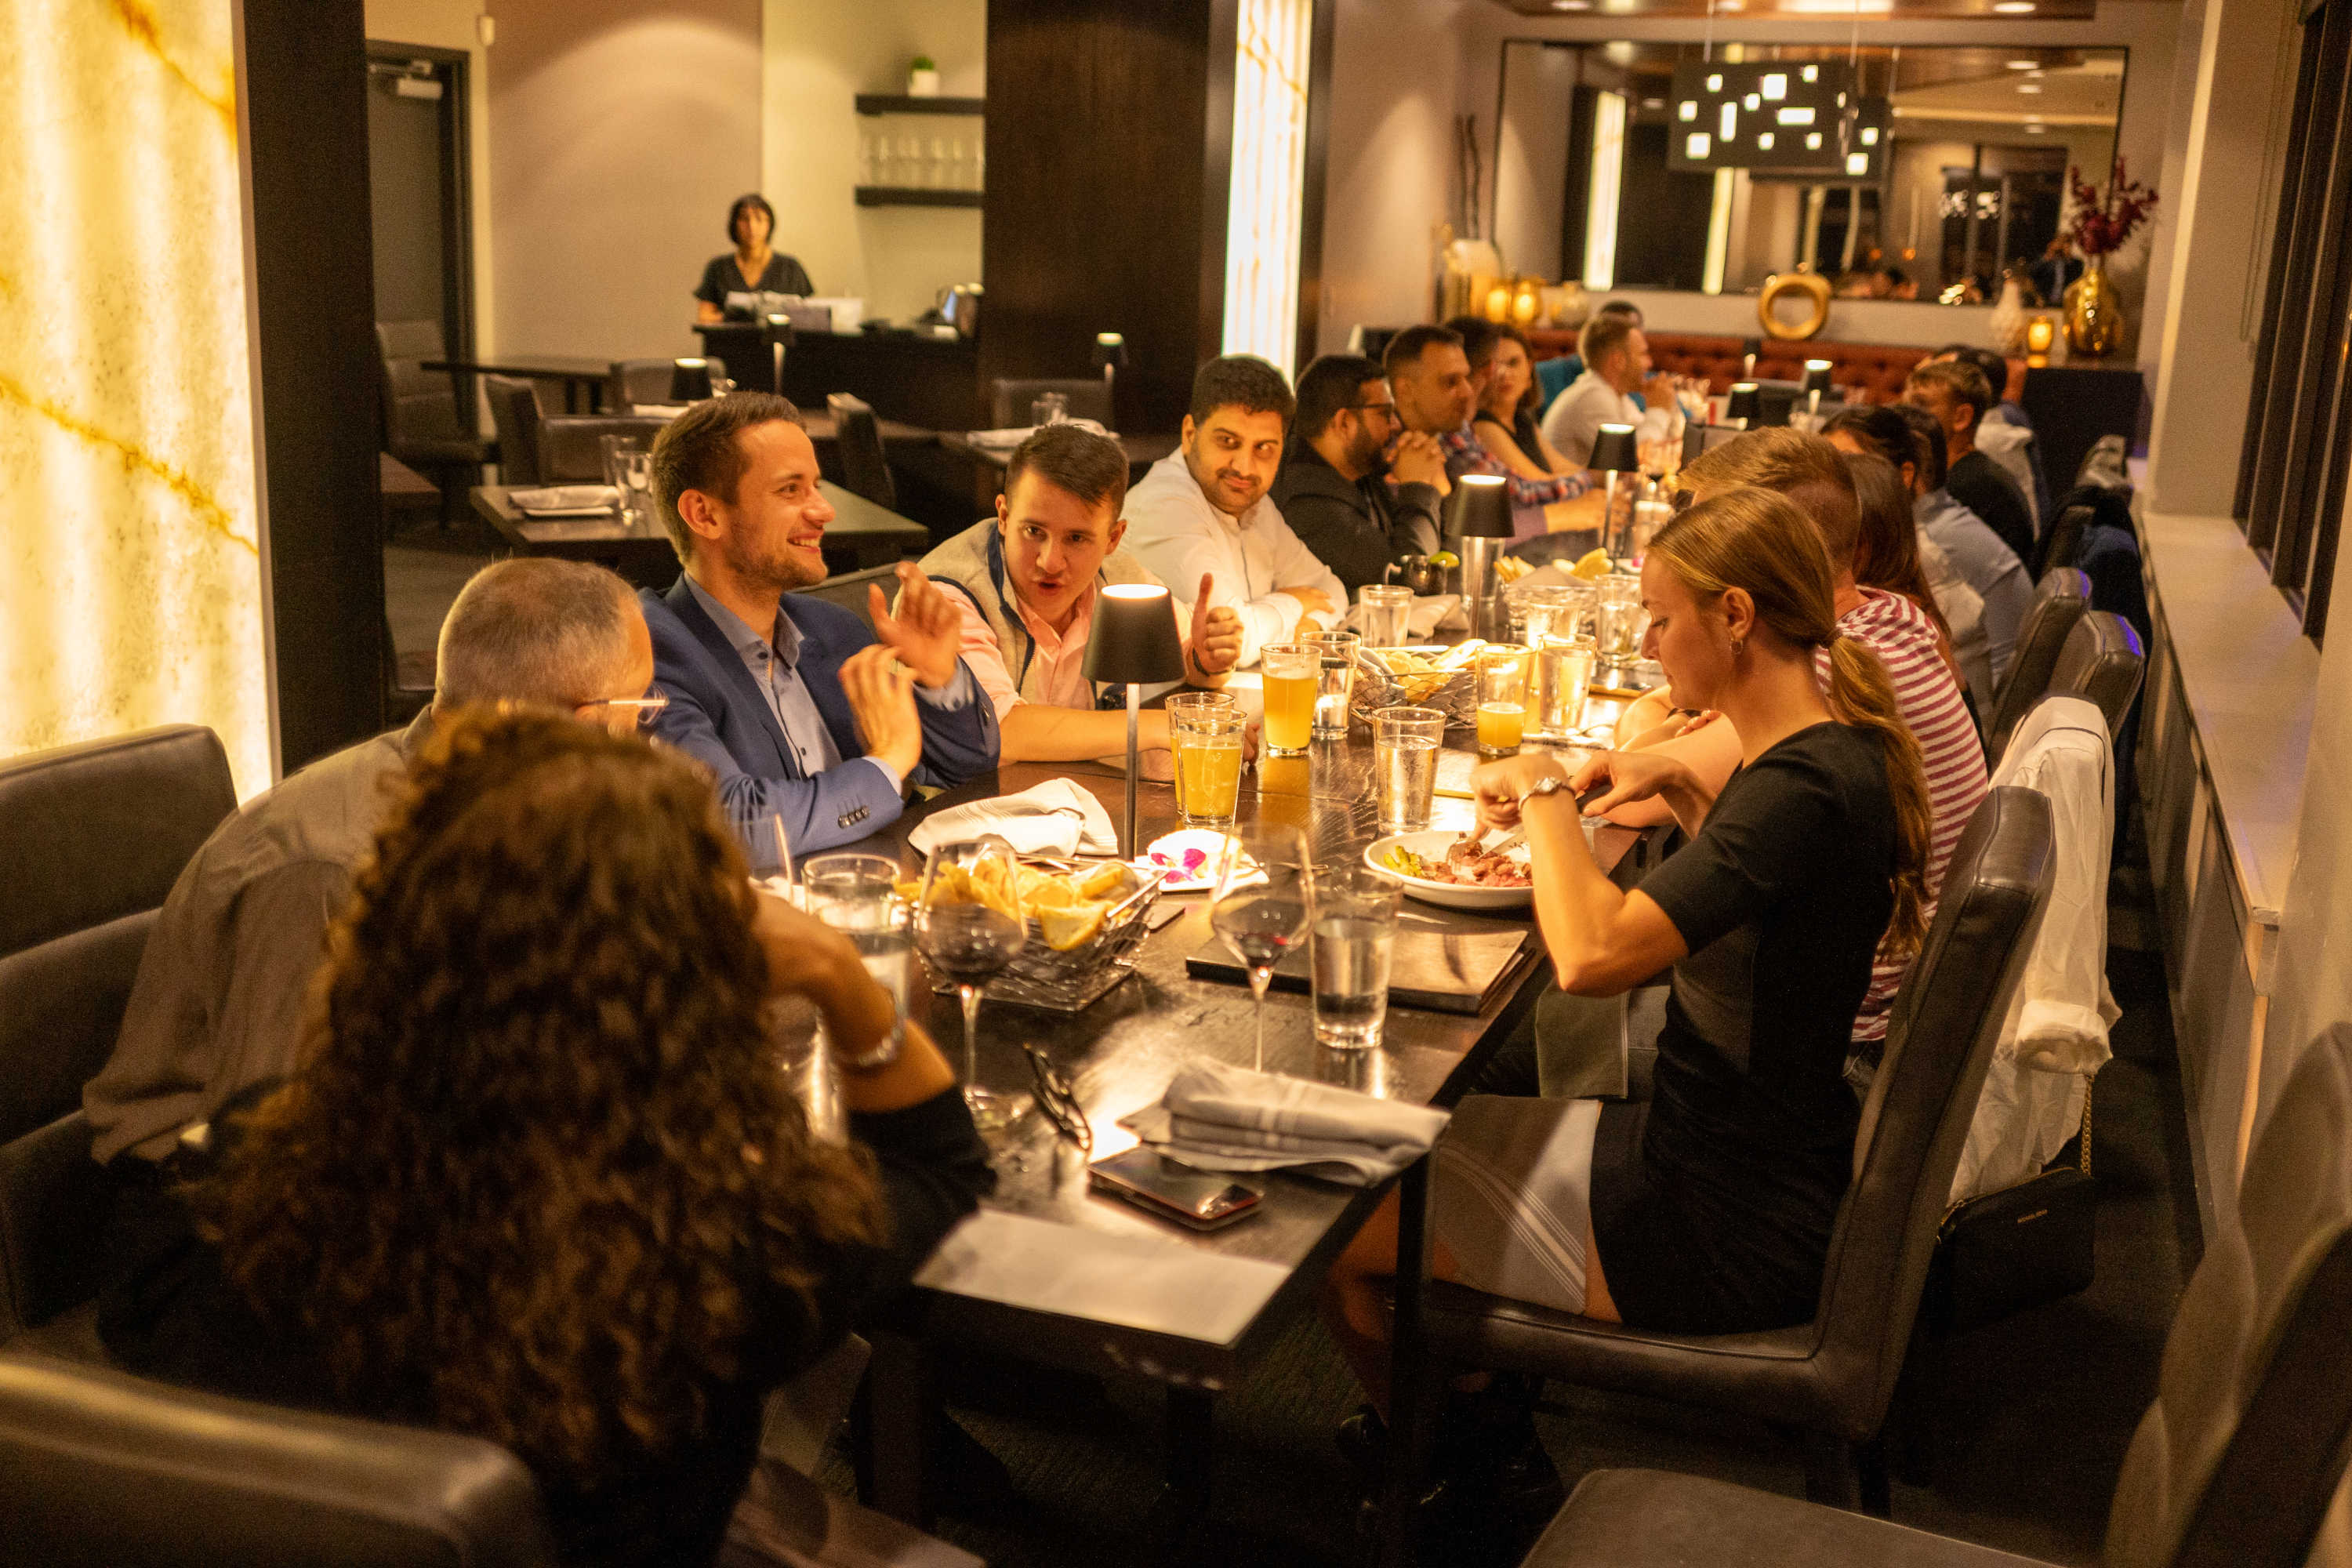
(1260, 905)
(969, 924)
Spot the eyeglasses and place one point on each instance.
(1059, 1101)
(645, 707)
(1385, 410)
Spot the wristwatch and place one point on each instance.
(1551, 785)
(879, 1055)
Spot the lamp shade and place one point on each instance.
(1110, 351)
(1817, 377)
(1744, 403)
(1134, 640)
(690, 379)
(1612, 448)
(1480, 507)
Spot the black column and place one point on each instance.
(301, 89)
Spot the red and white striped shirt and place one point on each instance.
(1903, 639)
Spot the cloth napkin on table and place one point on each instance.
(1057, 817)
(1224, 1117)
(1428, 610)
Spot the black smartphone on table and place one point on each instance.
(1200, 1200)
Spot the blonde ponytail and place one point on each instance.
(1860, 695)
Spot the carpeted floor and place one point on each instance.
(2038, 1411)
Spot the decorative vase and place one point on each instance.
(922, 83)
(2009, 319)
(2095, 312)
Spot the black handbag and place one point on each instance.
(2002, 1252)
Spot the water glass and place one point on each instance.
(1622, 619)
(1405, 743)
(1049, 409)
(1563, 680)
(1349, 949)
(1385, 616)
(1204, 732)
(1335, 681)
(1502, 699)
(857, 895)
(1290, 671)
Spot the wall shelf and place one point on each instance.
(914, 197)
(900, 103)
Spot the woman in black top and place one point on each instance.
(538, 1177)
(1505, 423)
(752, 268)
(1708, 1207)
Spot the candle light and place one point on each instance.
(1527, 302)
(2040, 332)
(1498, 303)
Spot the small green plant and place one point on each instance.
(923, 63)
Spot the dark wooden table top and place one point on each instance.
(861, 532)
(1142, 451)
(549, 367)
(1052, 1273)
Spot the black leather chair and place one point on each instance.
(2059, 601)
(637, 381)
(2063, 540)
(514, 409)
(857, 438)
(1829, 1378)
(1009, 400)
(100, 1467)
(2234, 1464)
(91, 838)
(422, 424)
(2103, 662)
(572, 445)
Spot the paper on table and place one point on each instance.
(1057, 817)
(1136, 1281)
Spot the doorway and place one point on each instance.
(418, 163)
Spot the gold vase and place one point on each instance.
(2094, 313)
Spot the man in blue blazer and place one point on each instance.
(803, 715)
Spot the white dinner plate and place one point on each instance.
(1430, 845)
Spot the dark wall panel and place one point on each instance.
(303, 89)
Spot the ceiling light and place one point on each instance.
(2029, 87)
(1715, 84)
(1857, 165)
(1812, 73)
(1726, 125)
(1653, 103)
(1870, 135)
(1753, 103)
(1812, 140)
(2035, 128)
(2012, 7)
(1698, 146)
(1764, 142)
(2025, 65)
(1799, 116)
(1571, 4)
(1686, 110)
(1775, 85)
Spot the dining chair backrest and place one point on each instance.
(570, 447)
(2062, 540)
(857, 438)
(97, 1466)
(514, 409)
(419, 405)
(2103, 662)
(2059, 601)
(1009, 400)
(636, 381)
(2247, 1440)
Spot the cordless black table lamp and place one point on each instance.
(1110, 358)
(1745, 407)
(690, 379)
(1816, 386)
(1478, 518)
(1614, 453)
(1134, 643)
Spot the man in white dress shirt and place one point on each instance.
(1616, 365)
(1203, 510)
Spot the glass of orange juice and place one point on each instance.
(1502, 699)
(1290, 671)
(1204, 729)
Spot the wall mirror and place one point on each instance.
(1605, 170)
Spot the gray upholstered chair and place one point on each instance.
(572, 445)
(422, 424)
(99, 1467)
(2102, 661)
(2234, 1464)
(857, 440)
(1829, 1378)
(2059, 601)
(91, 838)
(637, 381)
(1009, 400)
(514, 409)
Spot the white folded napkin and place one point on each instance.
(1057, 817)
(1428, 610)
(566, 499)
(1225, 1118)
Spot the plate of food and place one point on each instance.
(1443, 866)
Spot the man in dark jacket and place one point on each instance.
(1356, 512)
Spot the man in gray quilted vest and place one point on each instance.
(1024, 582)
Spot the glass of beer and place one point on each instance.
(1502, 699)
(1335, 682)
(1204, 729)
(1385, 614)
(1564, 665)
(1405, 742)
(1291, 671)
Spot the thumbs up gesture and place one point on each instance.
(1214, 644)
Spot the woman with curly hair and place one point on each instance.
(538, 1177)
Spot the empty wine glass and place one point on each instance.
(969, 924)
(1260, 905)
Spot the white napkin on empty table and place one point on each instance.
(1057, 817)
(1428, 610)
(1225, 1118)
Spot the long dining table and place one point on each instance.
(1051, 1272)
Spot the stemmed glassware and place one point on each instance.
(969, 925)
(1260, 905)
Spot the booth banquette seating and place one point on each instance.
(1878, 369)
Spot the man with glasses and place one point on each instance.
(1356, 507)
(219, 999)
